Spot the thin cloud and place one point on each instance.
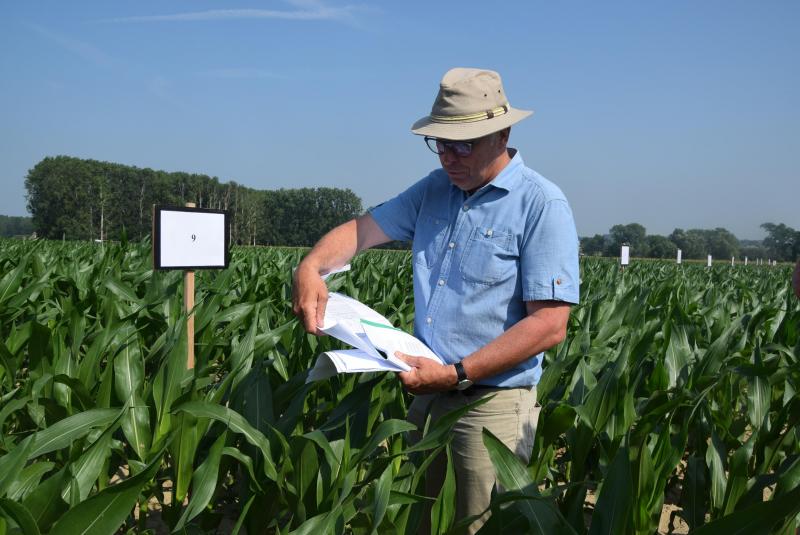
(242, 73)
(75, 46)
(306, 11)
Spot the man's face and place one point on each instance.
(487, 159)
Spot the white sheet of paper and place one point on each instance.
(390, 339)
(350, 361)
(369, 332)
(194, 239)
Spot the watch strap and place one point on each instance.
(460, 372)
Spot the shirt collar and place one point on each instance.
(509, 176)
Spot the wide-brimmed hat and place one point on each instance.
(471, 103)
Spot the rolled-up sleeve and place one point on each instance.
(397, 217)
(549, 256)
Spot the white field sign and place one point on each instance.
(733, 258)
(190, 238)
(709, 261)
(625, 255)
(680, 256)
(745, 260)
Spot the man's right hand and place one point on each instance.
(309, 297)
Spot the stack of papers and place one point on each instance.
(371, 334)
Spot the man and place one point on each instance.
(495, 256)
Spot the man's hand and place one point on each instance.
(309, 297)
(426, 376)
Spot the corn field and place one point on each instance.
(677, 385)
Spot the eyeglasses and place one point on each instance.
(461, 149)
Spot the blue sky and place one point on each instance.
(669, 114)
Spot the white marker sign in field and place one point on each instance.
(190, 238)
(680, 256)
(709, 260)
(625, 255)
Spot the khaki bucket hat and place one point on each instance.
(471, 103)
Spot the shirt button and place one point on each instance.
(465, 208)
(441, 282)
(558, 281)
(428, 319)
(451, 245)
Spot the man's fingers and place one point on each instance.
(408, 359)
(322, 302)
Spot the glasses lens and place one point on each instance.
(433, 144)
(459, 148)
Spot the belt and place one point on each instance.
(478, 389)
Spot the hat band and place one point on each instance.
(472, 118)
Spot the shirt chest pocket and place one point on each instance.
(489, 257)
(429, 238)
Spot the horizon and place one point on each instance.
(670, 116)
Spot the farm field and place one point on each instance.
(675, 390)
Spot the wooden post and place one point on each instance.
(188, 305)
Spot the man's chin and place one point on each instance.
(459, 179)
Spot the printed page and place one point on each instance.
(390, 339)
(351, 361)
(342, 320)
(356, 324)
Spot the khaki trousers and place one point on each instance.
(511, 415)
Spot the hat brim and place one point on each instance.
(464, 131)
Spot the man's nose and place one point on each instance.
(448, 156)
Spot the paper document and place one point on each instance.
(373, 336)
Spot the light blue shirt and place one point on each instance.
(478, 258)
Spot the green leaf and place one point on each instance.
(714, 459)
(758, 518)
(693, 497)
(63, 433)
(235, 423)
(11, 462)
(612, 514)
(28, 480)
(88, 467)
(106, 511)
(385, 429)
(20, 515)
(443, 511)
(204, 482)
(541, 513)
(382, 491)
(45, 501)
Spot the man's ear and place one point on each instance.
(504, 135)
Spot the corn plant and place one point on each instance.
(672, 379)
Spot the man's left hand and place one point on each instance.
(426, 376)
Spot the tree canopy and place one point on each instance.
(81, 199)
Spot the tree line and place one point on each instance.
(11, 226)
(782, 243)
(79, 199)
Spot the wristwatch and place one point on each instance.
(463, 382)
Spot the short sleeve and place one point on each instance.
(549, 256)
(397, 217)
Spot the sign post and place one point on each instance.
(190, 238)
(188, 307)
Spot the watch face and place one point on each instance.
(464, 384)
